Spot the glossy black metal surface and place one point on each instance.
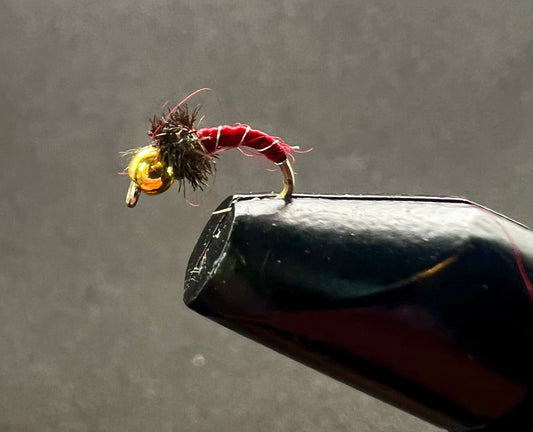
(421, 302)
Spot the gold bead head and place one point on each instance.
(148, 174)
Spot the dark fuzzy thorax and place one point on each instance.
(180, 148)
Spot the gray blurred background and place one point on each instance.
(409, 97)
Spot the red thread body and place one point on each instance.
(218, 139)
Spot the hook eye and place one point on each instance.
(133, 195)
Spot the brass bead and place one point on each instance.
(149, 173)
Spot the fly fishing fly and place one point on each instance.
(180, 152)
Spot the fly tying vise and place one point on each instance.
(180, 152)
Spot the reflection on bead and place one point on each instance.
(149, 173)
